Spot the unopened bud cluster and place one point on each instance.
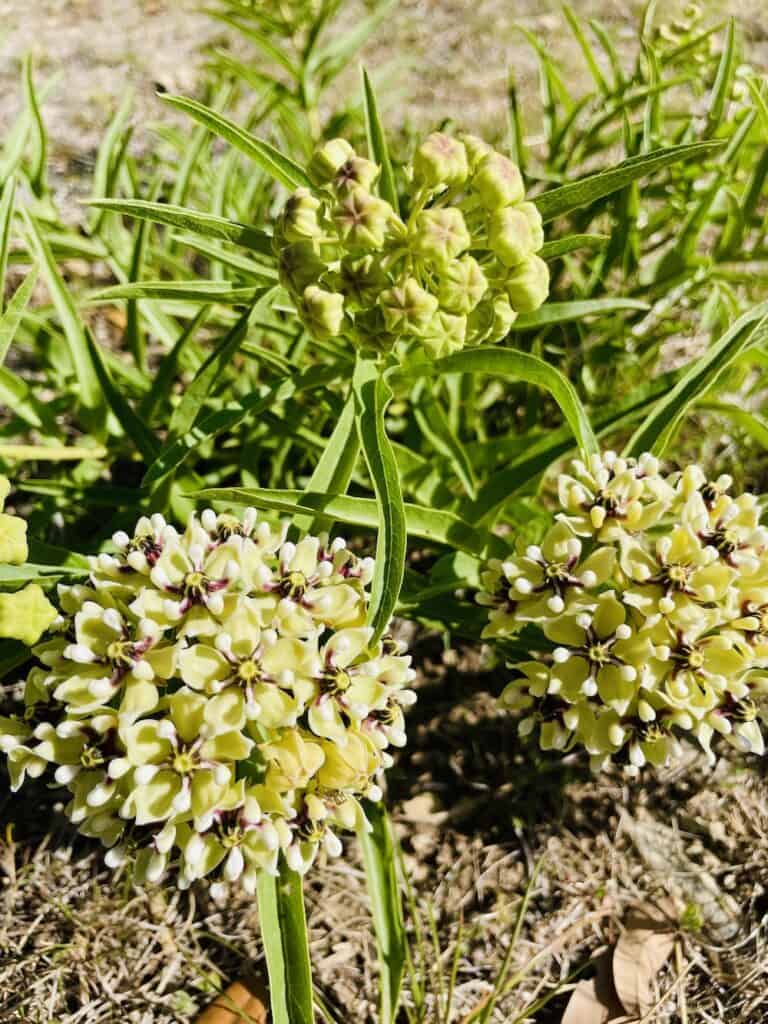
(652, 592)
(455, 270)
(212, 701)
(26, 613)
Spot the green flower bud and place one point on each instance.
(476, 149)
(407, 308)
(462, 285)
(503, 318)
(531, 211)
(13, 540)
(361, 280)
(328, 159)
(299, 220)
(322, 311)
(445, 334)
(362, 219)
(356, 172)
(509, 235)
(440, 160)
(528, 284)
(26, 614)
(498, 181)
(440, 235)
(298, 265)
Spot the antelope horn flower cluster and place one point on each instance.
(455, 271)
(211, 699)
(652, 593)
(25, 614)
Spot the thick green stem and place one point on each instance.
(284, 934)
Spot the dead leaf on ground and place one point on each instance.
(242, 1002)
(595, 1001)
(644, 947)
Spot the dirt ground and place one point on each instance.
(476, 810)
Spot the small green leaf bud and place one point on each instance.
(362, 219)
(528, 284)
(299, 218)
(328, 159)
(498, 181)
(509, 235)
(462, 285)
(531, 211)
(356, 172)
(445, 333)
(440, 235)
(26, 614)
(407, 307)
(322, 311)
(440, 160)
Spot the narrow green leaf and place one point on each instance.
(657, 430)
(384, 893)
(103, 177)
(166, 372)
(190, 220)
(286, 948)
(372, 395)
(19, 575)
(11, 318)
(195, 394)
(510, 363)
(563, 246)
(561, 312)
(274, 163)
(434, 425)
(722, 87)
(752, 423)
(427, 523)
(174, 291)
(586, 49)
(135, 428)
(38, 167)
(334, 468)
(177, 452)
(6, 219)
(377, 144)
(88, 383)
(584, 191)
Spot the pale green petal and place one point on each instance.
(200, 666)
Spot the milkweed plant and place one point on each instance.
(397, 352)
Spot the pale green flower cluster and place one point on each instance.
(211, 699)
(652, 593)
(26, 613)
(454, 271)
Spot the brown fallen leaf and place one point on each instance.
(595, 1001)
(242, 1002)
(643, 948)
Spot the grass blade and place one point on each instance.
(334, 468)
(563, 312)
(6, 219)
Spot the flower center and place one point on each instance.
(195, 585)
(184, 761)
(599, 654)
(247, 671)
(91, 757)
(335, 681)
(120, 653)
(678, 575)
